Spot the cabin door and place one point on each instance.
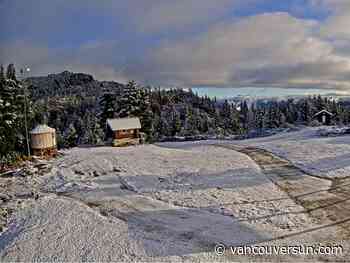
(324, 119)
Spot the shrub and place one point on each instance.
(10, 159)
(315, 123)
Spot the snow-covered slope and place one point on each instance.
(321, 156)
(141, 202)
(173, 202)
(59, 229)
(307, 149)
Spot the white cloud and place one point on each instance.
(273, 49)
(93, 59)
(336, 25)
(157, 15)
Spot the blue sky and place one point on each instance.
(296, 44)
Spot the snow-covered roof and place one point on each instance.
(40, 129)
(124, 124)
(324, 111)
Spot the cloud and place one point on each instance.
(336, 25)
(44, 18)
(92, 58)
(158, 42)
(158, 15)
(272, 49)
(323, 74)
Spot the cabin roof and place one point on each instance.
(124, 124)
(40, 129)
(324, 111)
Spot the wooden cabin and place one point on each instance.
(124, 131)
(324, 117)
(43, 141)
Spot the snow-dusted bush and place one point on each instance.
(287, 125)
(315, 123)
(9, 158)
(334, 131)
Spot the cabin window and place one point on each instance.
(131, 131)
(123, 131)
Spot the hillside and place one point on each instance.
(77, 106)
(70, 84)
(165, 114)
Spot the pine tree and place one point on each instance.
(2, 73)
(70, 136)
(11, 72)
(130, 101)
(107, 104)
(176, 123)
(305, 111)
(11, 117)
(92, 132)
(144, 111)
(260, 120)
(320, 105)
(136, 102)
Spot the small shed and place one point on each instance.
(124, 131)
(325, 117)
(43, 140)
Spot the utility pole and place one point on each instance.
(25, 109)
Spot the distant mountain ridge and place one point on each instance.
(70, 84)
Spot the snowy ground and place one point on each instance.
(322, 156)
(318, 155)
(169, 202)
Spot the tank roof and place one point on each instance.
(40, 129)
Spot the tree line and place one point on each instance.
(77, 106)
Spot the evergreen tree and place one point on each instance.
(176, 123)
(130, 103)
(92, 132)
(11, 72)
(11, 116)
(305, 111)
(260, 120)
(70, 136)
(2, 73)
(107, 104)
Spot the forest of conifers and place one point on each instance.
(77, 106)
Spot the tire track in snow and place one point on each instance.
(330, 206)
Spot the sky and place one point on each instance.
(287, 45)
